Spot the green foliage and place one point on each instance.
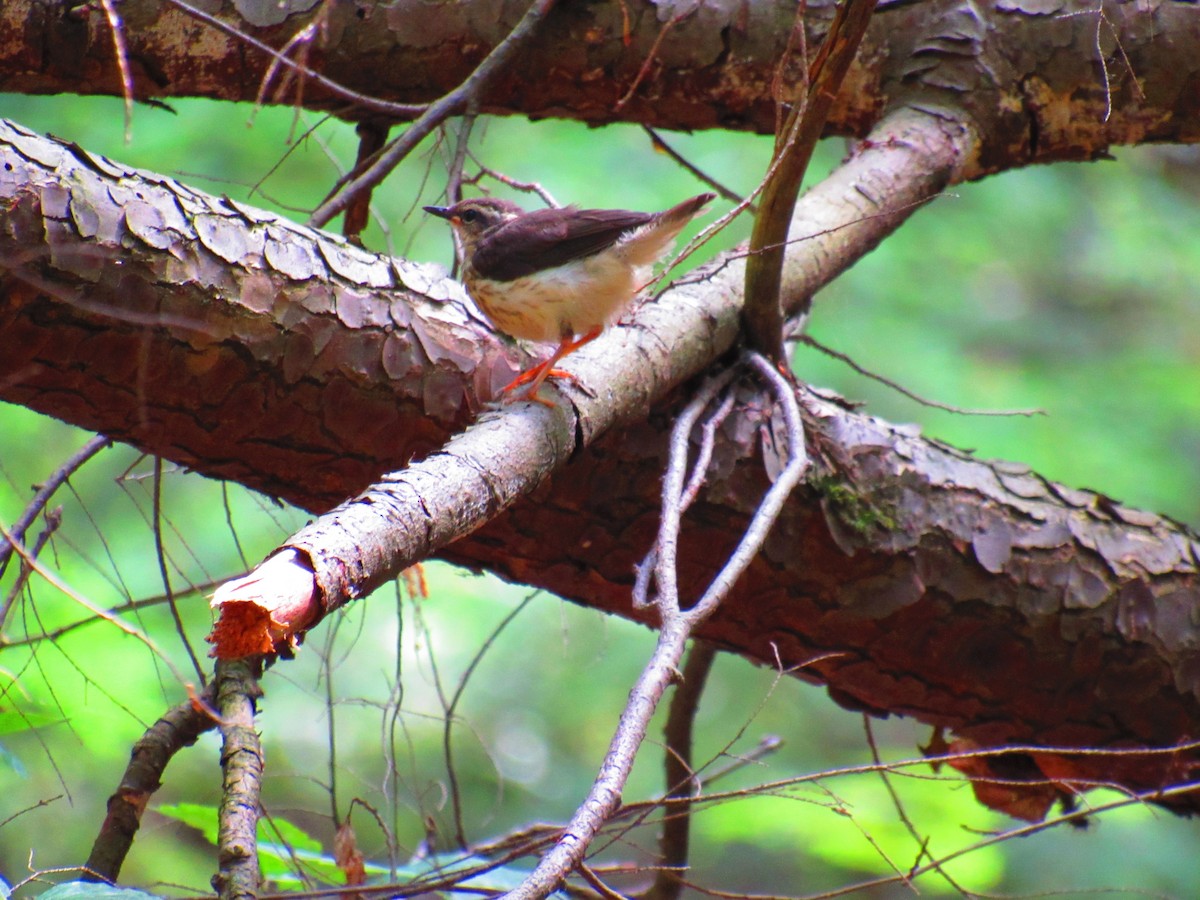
(88, 890)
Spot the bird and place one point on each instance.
(558, 274)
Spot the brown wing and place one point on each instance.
(550, 237)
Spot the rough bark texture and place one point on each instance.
(969, 594)
(965, 593)
(178, 728)
(1031, 73)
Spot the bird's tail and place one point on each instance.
(687, 210)
(650, 242)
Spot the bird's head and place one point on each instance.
(471, 219)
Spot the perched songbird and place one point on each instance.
(559, 274)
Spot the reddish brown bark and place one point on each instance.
(1042, 79)
(968, 594)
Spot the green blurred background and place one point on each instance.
(1066, 288)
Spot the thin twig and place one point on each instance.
(644, 71)
(809, 341)
(87, 604)
(771, 505)
(118, 35)
(179, 727)
(922, 842)
(366, 101)
(460, 834)
(646, 568)
(327, 668)
(161, 554)
(46, 491)
(677, 627)
(528, 187)
(372, 136)
(45, 801)
(454, 179)
(53, 521)
(388, 740)
(134, 606)
(681, 780)
(588, 874)
(304, 40)
(766, 745)
(662, 146)
(667, 545)
(436, 113)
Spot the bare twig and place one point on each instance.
(179, 727)
(327, 668)
(772, 503)
(1103, 20)
(134, 606)
(766, 745)
(460, 834)
(53, 520)
(652, 55)
(366, 101)
(242, 764)
(662, 146)
(391, 722)
(922, 842)
(46, 491)
(605, 795)
(809, 341)
(645, 569)
(436, 113)
(666, 546)
(116, 26)
(161, 553)
(302, 39)
(454, 180)
(83, 601)
(681, 780)
(588, 874)
(677, 624)
(1009, 834)
(528, 187)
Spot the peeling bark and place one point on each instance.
(1042, 80)
(969, 594)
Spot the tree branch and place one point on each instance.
(178, 728)
(681, 781)
(677, 624)
(342, 384)
(712, 68)
(242, 763)
(795, 140)
(45, 491)
(452, 103)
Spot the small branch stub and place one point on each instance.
(260, 613)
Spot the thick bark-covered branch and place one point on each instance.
(139, 307)
(969, 594)
(1042, 80)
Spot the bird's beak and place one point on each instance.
(442, 212)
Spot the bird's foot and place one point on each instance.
(537, 375)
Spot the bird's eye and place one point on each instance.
(470, 216)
